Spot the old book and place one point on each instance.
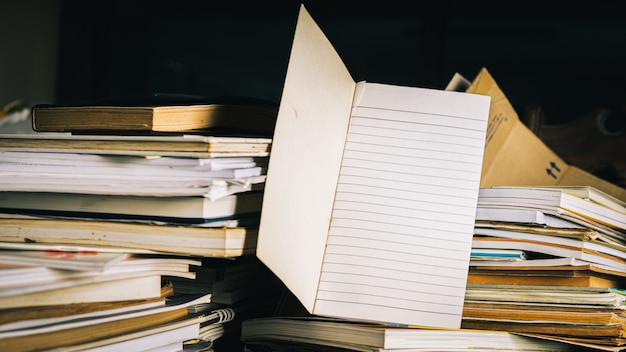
(359, 336)
(192, 209)
(186, 145)
(556, 307)
(545, 278)
(563, 296)
(366, 238)
(138, 287)
(615, 329)
(156, 114)
(186, 240)
(602, 343)
(507, 313)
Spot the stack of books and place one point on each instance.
(549, 261)
(109, 213)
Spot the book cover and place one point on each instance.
(379, 183)
(158, 113)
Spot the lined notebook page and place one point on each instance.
(401, 231)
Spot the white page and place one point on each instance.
(403, 217)
(306, 154)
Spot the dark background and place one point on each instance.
(567, 58)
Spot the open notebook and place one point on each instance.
(371, 191)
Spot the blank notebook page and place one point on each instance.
(403, 217)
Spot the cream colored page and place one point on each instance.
(402, 223)
(304, 162)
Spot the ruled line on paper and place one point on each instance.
(402, 232)
(408, 131)
(403, 214)
(423, 219)
(347, 251)
(402, 199)
(412, 157)
(421, 121)
(413, 293)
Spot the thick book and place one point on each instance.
(563, 296)
(126, 175)
(381, 210)
(192, 209)
(592, 330)
(359, 336)
(567, 314)
(158, 113)
(185, 145)
(370, 225)
(186, 240)
(508, 311)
